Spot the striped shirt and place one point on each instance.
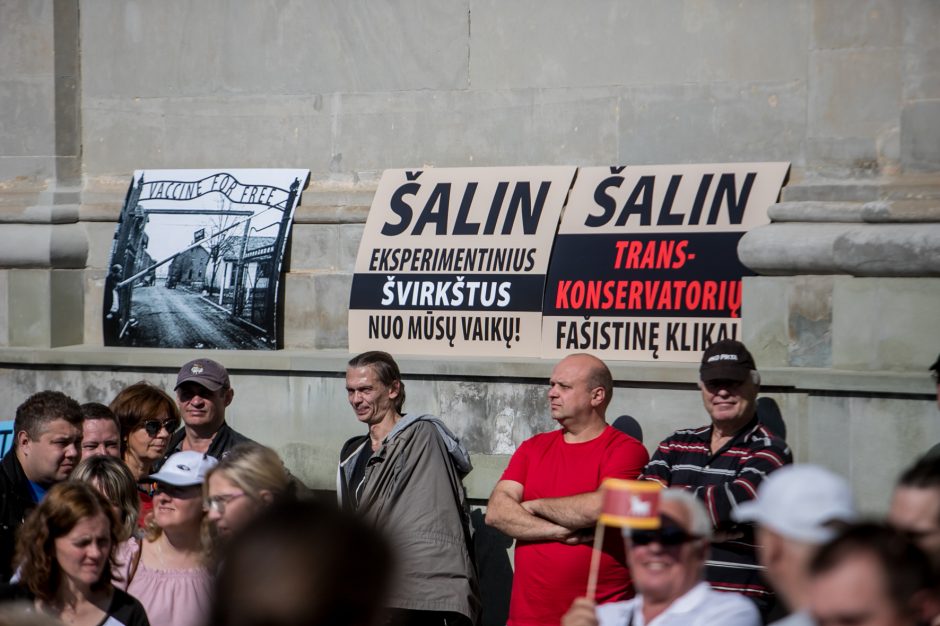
(722, 481)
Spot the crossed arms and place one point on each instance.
(542, 519)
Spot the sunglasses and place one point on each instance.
(188, 392)
(153, 427)
(180, 493)
(667, 536)
(722, 383)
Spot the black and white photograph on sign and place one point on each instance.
(196, 259)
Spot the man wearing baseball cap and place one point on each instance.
(203, 392)
(723, 463)
(797, 510)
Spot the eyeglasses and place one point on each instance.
(218, 503)
(667, 536)
(189, 391)
(153, 426)
(174, 491)
(717, 385)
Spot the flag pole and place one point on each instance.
(595, 560)
(625, 504)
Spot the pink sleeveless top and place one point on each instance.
(177, 597)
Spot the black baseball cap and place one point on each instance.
(726, 360)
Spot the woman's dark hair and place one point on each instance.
(138, 403)
(905, 568)
(64, 506)
(322, 567)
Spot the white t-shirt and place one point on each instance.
(700, 606)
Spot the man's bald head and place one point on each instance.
(597, 374)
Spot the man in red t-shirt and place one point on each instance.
(548, 498)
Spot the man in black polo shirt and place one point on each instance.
(723, 463)
(203, 392)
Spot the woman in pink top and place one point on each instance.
(167, 570)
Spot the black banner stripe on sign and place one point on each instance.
(687, 256)
(674, 275)
(447, 292)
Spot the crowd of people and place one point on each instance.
(153, 510)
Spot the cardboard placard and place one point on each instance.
(453, 261)
(645, 264)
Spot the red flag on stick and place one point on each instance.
(626, 504)
(630, 503)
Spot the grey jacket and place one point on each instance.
(412, 490)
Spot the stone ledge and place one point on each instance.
(875, 212)
(907, 187)
(43, 246)
(818, 211)
(883, 250)
(331, 214)
(902, 211)
(333, 363)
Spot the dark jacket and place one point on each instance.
(225, 439)
(347, 459)
(412, 490)
(123, 610)
(16, 501)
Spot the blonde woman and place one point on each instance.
(166, 570)
(247, 480)
(116, 483)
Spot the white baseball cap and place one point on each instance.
(798, 501)
(184, 469)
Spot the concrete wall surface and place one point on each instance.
(846, 91)
(840, 318)
(296, 403)
(349, 89)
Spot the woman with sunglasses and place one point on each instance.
(166, 570)
(247, 480)
(65, 549)
(148, 416)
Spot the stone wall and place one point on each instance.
(848, 91)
